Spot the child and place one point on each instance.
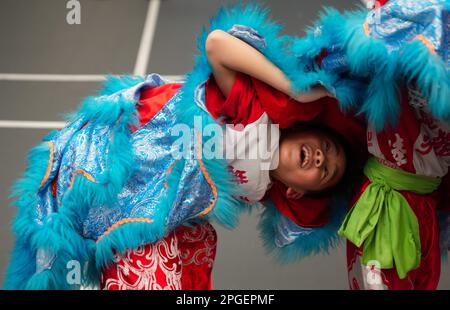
(109, 191)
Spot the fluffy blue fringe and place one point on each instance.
(320, 240)
(430, 74)
(135, 234)
(256, 17)
(65, 225)
(23, 257)
(368, 57)
(31, 236)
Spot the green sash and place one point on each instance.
(383, 220)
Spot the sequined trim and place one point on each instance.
(85, 174)
(208, 179)
(49, 166)
(124, 221)
(366, 28)
(427, 43)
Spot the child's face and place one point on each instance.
(310, 161)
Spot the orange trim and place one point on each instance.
(84, 173)
(169, 171)
(366, 28)
(49, 165)
(208, 179)
(124, 221)
(427, 43)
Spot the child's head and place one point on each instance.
(311, 160)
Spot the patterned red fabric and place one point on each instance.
(426, 276)
(197, 253)
(182, 260)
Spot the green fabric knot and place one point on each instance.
(383, 220)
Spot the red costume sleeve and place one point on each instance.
(249, 98)
(242, 105)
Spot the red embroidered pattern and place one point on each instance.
(182, 260)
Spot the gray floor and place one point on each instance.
(36, 39)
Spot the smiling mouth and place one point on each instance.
(305, 156)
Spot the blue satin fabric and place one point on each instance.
(287, 232)
(82, 147)
(400, 21)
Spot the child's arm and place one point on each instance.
(228, 55)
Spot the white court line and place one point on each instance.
(31, 124)
(140, 67)
(65, 77)
(148, 33)
(51, 77)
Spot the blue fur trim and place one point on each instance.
(22, 264)
(65, 225)
(134, 234)
(114, 83)
(369, 58)
(31, 236)
(319, 240)
(126, 237)
(429, 73)
(256, 17)
(378, 100)
(306, 49)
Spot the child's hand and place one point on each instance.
(314, 94)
